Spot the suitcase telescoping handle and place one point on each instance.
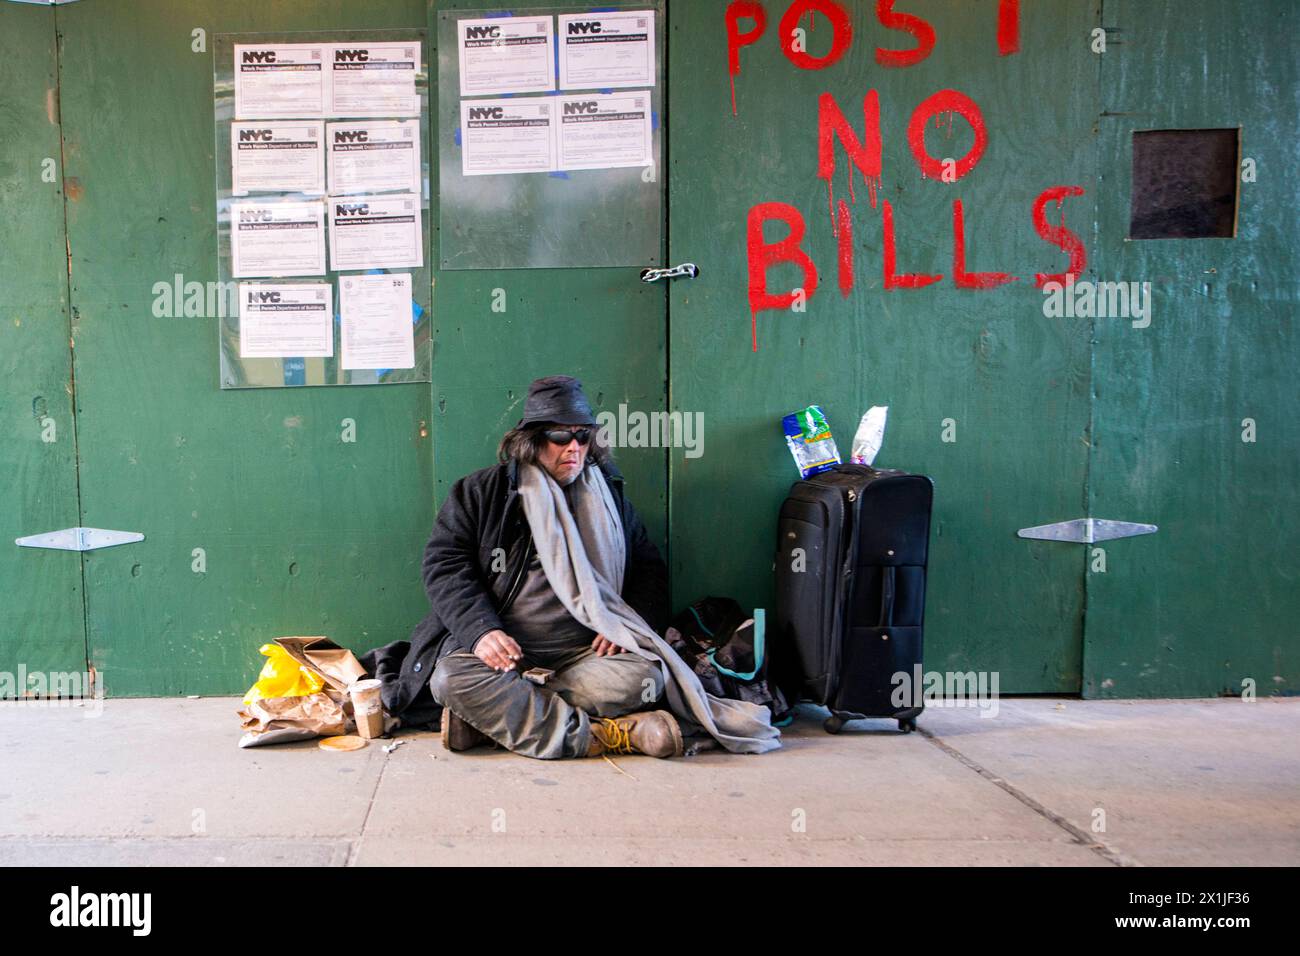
(887, 597)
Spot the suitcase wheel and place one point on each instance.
(907, 726)
(833, 725)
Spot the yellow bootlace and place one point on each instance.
(615, 737)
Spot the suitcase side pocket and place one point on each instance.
(803, 570)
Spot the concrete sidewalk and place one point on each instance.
(1210, 782)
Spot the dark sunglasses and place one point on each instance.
(562, 436)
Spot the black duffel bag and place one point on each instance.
(727, 649)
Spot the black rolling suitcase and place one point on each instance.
(850, 592)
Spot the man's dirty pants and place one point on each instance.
(545, 721)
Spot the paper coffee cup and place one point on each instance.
(367, 707)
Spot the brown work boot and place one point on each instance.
(458, 735)
(654, 733)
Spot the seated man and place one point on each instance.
(502, 615)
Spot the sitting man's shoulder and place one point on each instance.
(483, 479)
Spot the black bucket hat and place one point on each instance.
(559, 399)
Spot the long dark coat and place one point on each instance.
(469, 584)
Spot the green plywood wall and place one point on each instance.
(602, 325)
(302, 532)
(42, 626)
(1212, 600)
(1014, 383)
(1054, 418)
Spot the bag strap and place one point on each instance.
(700, 621)
(760, 633)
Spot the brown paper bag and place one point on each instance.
(273, 720)
(337, 665)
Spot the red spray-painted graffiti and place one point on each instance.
(946, 101)
(918, 28)
(893, 278)
(1008, 27)
(864, 154)
(841, 33)
(1059, 235)
(737, 11)
(964, 279)
(844, 238)
(763, 255)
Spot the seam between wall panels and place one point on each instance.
(72, 314)
(666, 253)
(1093, 343)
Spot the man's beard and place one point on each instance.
(565, 482)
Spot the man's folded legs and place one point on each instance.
(557, 720)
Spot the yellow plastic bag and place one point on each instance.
(282, 676)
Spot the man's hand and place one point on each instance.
(603, 646)
(498, 650)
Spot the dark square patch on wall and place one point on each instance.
(1184, 184)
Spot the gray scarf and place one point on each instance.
(583, 555)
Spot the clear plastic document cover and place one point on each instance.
(322, 206)
(549, 131)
